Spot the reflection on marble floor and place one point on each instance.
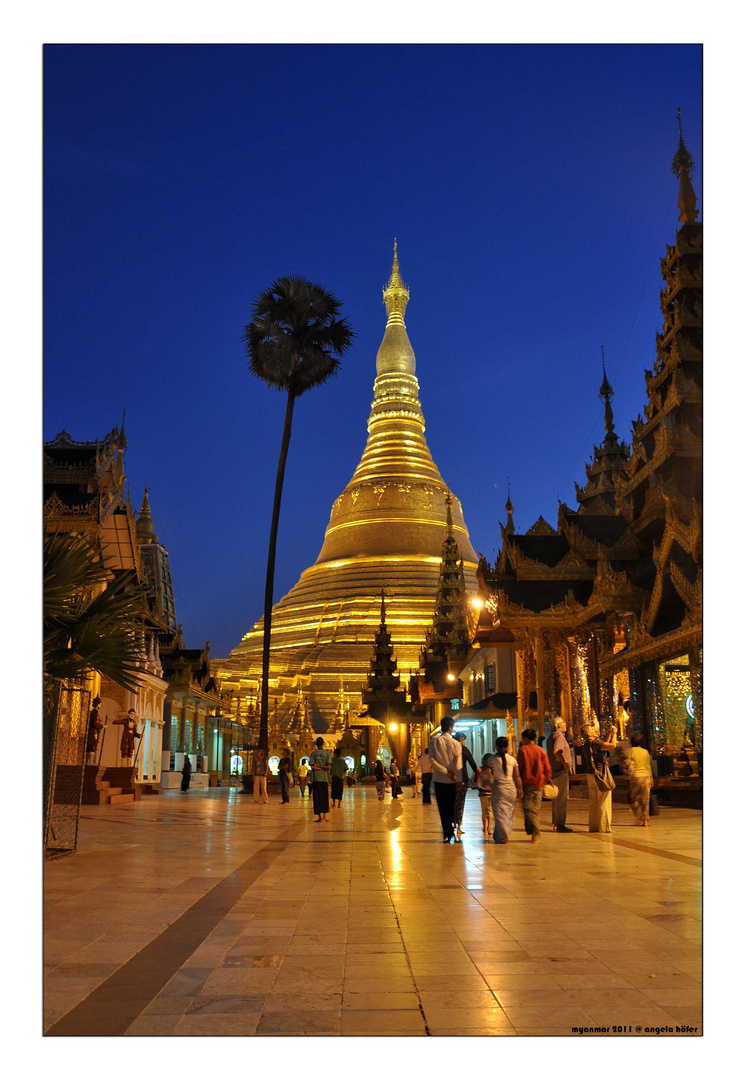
(212, 915)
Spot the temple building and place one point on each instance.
(86, 493)
(180, 711)
(605, 610)
(385, 531)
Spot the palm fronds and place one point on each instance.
(92, 618)
(295, 338)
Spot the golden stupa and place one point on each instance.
(386, 530)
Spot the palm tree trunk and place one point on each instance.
(270, 579)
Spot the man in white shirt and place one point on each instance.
(446, 756)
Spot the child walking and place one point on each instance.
(484, 785)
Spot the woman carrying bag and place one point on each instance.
(595, 753)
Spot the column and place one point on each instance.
(539, 659)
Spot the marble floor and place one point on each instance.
(206, 914)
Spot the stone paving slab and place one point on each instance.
(213, 916)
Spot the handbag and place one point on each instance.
(605, 780)
(550, 791)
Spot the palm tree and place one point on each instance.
(92, 620)
(294, 342)
(89, 627)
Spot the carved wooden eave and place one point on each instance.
(597, 506)
(54, 507)
(573, 563)
(645, 649)
(613, 592)
(675, 437)
(541, 528)
(690, 592)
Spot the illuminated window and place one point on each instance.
(490, 678)
(455, 704)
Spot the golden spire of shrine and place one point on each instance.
(449, 519)
(682, 166)
(606, 393)
(385, 531)
(145, 528)
(396, 295)
(510, 527)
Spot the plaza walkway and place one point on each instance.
(206, 914)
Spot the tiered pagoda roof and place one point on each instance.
(634, 544)
(448, 638)
(382, 693)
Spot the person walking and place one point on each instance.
(394, 776)
(463, 786)
(595, 752)
(559, 754)
(303, 776)
(535, 772)
(446, 756)
(261, 771)
(320, 762)
(380, 775)
(186, 773)
(484, 786)
(426, 773)
(285, 772)
(640, 781)
(339, 768)
(505, 790)
(416, 776)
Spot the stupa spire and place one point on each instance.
(606, 393)
(682, 166)
(145, 529)
(396, 294)
(510, 527)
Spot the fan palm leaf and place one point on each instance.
(92, 619)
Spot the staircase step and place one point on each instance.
(115, 799)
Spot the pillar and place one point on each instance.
(539, 659)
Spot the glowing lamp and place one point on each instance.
(450, 678)
(394, 727)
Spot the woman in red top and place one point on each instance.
(535, 772)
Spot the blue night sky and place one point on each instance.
(530, 191)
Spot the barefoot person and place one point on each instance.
(505, 790)
(446, 756)
(559, 754)
(321, 767)
(534, 769)
(339, 769)
(640, 781)
(595, 752)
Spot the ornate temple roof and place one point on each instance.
(634, 543)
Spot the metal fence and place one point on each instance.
(65, 730)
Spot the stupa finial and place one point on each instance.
(396, 294)
(682, 166)
(606, 393)
(510, 527)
